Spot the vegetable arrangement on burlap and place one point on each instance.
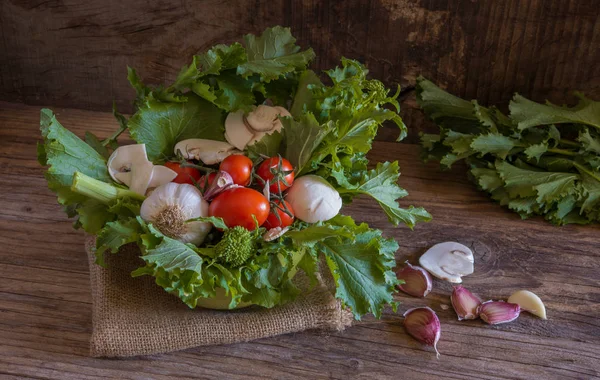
(239, 172)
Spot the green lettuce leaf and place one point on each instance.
(302, 137)
(116, 234)
(528, 113)
(361, 268)
(381, 184)
(273, 54)
(161, 125)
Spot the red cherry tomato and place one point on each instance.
(204, 183)
(239, 168)
(236, 207)
(284, 219)
(184, 175)
(264, 172)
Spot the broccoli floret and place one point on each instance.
(236, 247)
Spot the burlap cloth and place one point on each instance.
(134, 316)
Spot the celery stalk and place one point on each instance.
(101, 191)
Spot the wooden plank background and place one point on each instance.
(74, 53)
(45, 300)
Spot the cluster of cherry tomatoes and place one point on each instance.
(238, 205)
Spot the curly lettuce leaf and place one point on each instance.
(528, 113)
(362, 267)
(116, 234)
(381, 184)
(273, 54)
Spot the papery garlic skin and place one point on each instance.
(275, 233)
(171, 205)
(423, 324)
(465, 303)
(529, 302)
(496, 312)
(417, 282)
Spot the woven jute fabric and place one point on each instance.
(134, 316)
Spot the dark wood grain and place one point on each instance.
(45, 304)
(74, 53)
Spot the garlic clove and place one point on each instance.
(220, 183)
(465, 303)
(496, 312)
(529, 302)
(237, 132)
(423, 324)
(417, 282)
(448, 261)
(208, 151)
(275, 233)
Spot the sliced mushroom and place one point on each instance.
(263, 118)
(208, 151)
(242, 130)
(161, 175)
(129, 165)
(448, 261)
(237, 133)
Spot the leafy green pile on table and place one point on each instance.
(541, 159)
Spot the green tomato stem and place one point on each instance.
(101, 191)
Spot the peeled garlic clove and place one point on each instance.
(465, 303)
(448, 261)
(313, 199)
(423, 324)
(496, 312)
(529, 302)
(417, 282)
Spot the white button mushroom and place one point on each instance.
(208, 151)
(246, 129)
(313, 199)
(129, 165)
(448, 261)
(171, 205)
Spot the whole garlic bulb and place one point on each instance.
(168, 208)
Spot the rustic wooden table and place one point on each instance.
(45, 305)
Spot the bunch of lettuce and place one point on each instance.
(331, 132)
(542, 159)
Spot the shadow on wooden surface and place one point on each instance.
(45, 304)
(74, 53)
